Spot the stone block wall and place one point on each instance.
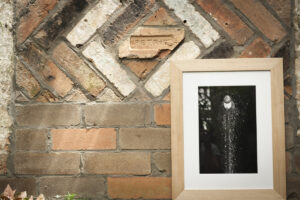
(90, 108)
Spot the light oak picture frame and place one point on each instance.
(272, 65)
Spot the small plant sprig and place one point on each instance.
(71, 196)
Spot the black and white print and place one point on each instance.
(227, 129)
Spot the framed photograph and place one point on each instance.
(227, 123)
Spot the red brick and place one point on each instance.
(139, 187)
(37, 12)
(258, 48)
(47, 70)
(47, 163)
(160, 18)
(229, 21)
(26, 81)
(31, 139)
(137, 163)
(83, 139)
(141, 68)
(47, 115)
(162, 114)
(77, 68)
(282, 8)
(145, 138)
(261, 17)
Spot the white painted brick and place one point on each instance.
(6, 71)
(107, 64)
(160, 80)
(198, 24)
(93, 20)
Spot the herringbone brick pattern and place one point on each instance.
(92, 84)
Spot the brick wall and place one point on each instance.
(91, 101)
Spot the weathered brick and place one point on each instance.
(282, 8)
(288, 162)
(261, 17)
(297, 73)
(37, 12)
(258, 48)
(293, 185)
(31, 139)
(140, 95)
(167, 97)
(117, 114)
(162, 114)
(139, 187)
(145, 138)
(137, 163)
(148, 42)
(107, 64)
(160, 18)
(284, 52)
(47, 115)
(297, 160)
(85, 187)
(162, 161)
(20, 5)
(198, 24)
(76, 96)
(46, 96)
(77, 68)
(289, 137)
(288, 88)
(224, 50)
(141, 67)
(47, 163)
(47, 70)
(160, 80)
(83, 139)
(93, 20)
(125, 21)
(26, 81)
(20, 97)
(3, 162)
(19, 184)
(56, 25)
(109, 95)
(229, 21)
